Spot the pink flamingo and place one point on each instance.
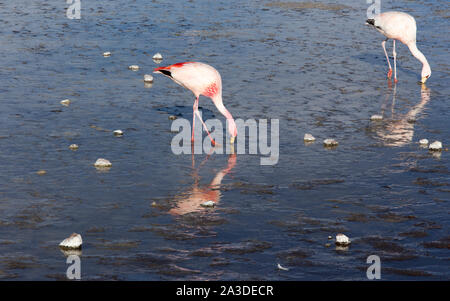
(200, 79)
(400, 26)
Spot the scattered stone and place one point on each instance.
(73, 146)
(133, 67)
(208, 204)
(330, 142)
(435, 146)
(342, 240)
(282, 268)
(41, 172)
(423, 142)
(148, 78)
(309, 138)
(327, 245)
(107, 54)
(118, 133)
(65, 102)
(172, 117)
(154, 204)
(158, 56)
(330, 237)
(102, 163)
(74, 241)
(376, 117)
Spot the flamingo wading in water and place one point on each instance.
(400, 26)
(200, 79)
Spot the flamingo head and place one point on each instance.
(232, 129)
(426, 73)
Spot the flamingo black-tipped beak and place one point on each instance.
(162, 71)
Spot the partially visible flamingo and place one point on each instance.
(400, 26)
(200, 79)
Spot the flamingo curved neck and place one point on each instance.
(418, 55)
(217, 99)
(219, 105)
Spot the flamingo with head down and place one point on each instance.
(200, 79)
(400, 26)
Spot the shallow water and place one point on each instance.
(316, 68)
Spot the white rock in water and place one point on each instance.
(65, 102)
(148, 78)
(118, 133)
(208, 204)
(376, 117)
(435, 146)
(133, 67)
(102, 163)
(157, 56)
(73, 146)
(342, 240)
(106, 54)
(330, 142)
(423, 141)
(74, 241)
(309, 138)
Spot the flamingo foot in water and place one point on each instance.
(395, 80)
(389, 75)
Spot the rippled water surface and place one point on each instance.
(315, 67)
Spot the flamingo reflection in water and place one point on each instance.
(191, 200)
(399, 131)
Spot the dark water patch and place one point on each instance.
(307, 185)
(175, 270)
(244, 247)
(249, 188)
(392, 217)
(295, 257)
(6, 242)
(5, 275)
(387, 249)
(117, 245)
(407, 272)
(203, 252)
(429, 225)
(176, 232)
(20, 262)
(58, 277)
(357, 217)
(219, 262)
(429, 183)
(94, 230)
(443, 243)
(414, 234)
(202, 220)
(434, 169)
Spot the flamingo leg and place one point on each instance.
(389, 75)
(394, 53)
(197, 113)
(195, 108)
(205, 127)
